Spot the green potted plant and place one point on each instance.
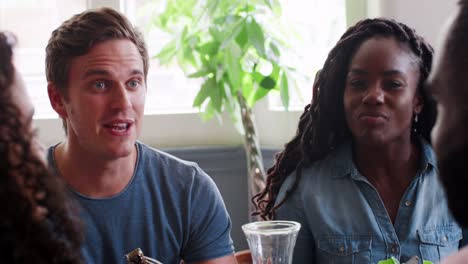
(228, 45)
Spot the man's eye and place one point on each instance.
(133, 84)
(100, 85)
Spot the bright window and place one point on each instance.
(32, 21)
(316, 25)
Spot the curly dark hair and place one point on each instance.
(26, 184)
(322, 126)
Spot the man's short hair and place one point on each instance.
(77, 35)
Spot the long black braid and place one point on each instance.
(322, 125)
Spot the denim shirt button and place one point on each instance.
(394, 249)
(341, 249)
(408, 203)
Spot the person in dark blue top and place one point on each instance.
(360, 174)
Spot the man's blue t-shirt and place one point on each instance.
(170, 209)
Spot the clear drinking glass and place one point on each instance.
(271, 242)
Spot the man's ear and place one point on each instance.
(56, 100)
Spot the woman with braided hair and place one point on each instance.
(360, 174)
(37, 222)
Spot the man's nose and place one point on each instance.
(121, 98)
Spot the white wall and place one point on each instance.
(188, 130)
(166, 130)
(275, 128)
(426, 16)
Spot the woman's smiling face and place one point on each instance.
(380, 97)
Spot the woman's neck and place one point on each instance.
(389, 169)
(395, 162)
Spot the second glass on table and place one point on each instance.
(271, 242)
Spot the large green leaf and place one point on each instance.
(200, 73)
(220, 72)
(232, 32)
(259, 93)
(247, 86)
(204, 92)
(216, 96)
(268, 83)
(275, 74)
(229, 19)
(181, 50)
(242, 38)
(249, 7)
(167, 53)
(216, 33)
(230, 98)
(208, 48)
(212, 6)
(233, 108)
(187, 7)
(233, 66)
(275, 50)
(209, 112)
(265, 85)
(256, 36)
(189, 56)
(190, 42)
(257, 77)
(161, 20)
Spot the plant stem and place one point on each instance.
(256, 172)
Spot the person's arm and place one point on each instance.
(209, 238)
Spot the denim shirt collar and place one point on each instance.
(344, 153)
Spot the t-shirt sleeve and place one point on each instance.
(210, 224)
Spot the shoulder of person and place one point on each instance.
(317, 173)
(336, 163)
(171, 165)
(163, 157)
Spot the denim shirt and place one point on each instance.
(344, 220)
